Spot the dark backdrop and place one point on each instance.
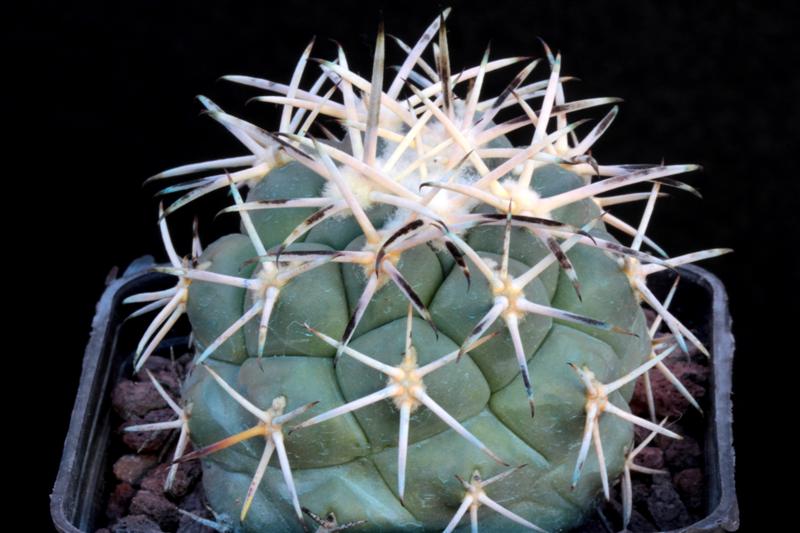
(107, 100)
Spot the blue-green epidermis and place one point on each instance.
(348, 465)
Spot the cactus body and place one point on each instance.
(348, 464)
(418, 319)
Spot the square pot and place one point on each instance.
(77, 502)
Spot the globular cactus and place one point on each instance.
(418, 319)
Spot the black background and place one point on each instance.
(106, 100)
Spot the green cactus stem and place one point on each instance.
(415, 308)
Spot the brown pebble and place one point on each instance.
(130, 468)
(156, 364)
(157, 507)
(136, 524)
(185, 478)
(691, 372)
(682, 454)
(667, 399)
(664, 442)
(195, 501)
(641, 489)
(133, 399)
(119, 501)
(155, 479)
(638, 523)
(171, 382)
(651, 457)
(166, 372)
(185, 360)
(665, 505)
(186, 364)
(689, 484)
(148, 441)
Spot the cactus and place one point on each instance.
(418, 319)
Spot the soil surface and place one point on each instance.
(138, 503)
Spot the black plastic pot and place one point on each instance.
(78, 499)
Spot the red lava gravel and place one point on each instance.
(137, 502)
